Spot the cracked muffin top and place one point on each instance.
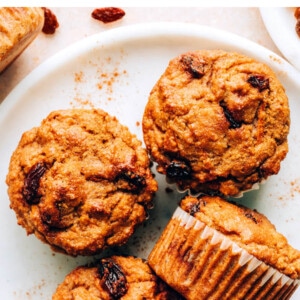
(217, 122)
(80, 181)
(115, 277)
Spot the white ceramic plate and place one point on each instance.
(280, 23)
(116, 70)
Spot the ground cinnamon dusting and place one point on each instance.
(275, 59)
(295, 187)
(105, 81)
(108, 80)
(78, 76)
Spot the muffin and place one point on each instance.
(80, 181)
(217, 122)
(116, 277)
(19, 27)
(214, 249)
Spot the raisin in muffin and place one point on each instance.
(19, 27)
(115, 277)
(217, 122)
(80, 181)
(214, 249)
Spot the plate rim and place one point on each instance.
(288, 35)
(140, 30)
(150, 29)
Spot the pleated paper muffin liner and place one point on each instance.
(255, 186)
(202, 263)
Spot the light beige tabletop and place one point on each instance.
(77, 23)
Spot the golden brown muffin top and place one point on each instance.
(116, 277)
(250, 229)
(80, 181)
(217, 121)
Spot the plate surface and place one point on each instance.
(115, 71)
(280, 23)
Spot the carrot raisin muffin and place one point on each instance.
(217, 121)
(80, 181)
(19, 26)
(214, 249)
(116, 277)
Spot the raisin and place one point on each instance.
(32, 183)
(114, 278)
(108, 14)
(47, 218)
(50, 23)
(178, 170)
(194, 208)
(193, 65)
(259, 82)
(233, 123)
(135, 181)
(297, 13)
(251, 217)
(297, 27)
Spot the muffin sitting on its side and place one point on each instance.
(217, 122)
(80, 181)
(116, 277)
(214, 249)
(19, 26)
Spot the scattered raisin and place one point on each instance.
(47, 218)
(297, 13)
(108, 14)
(114, 278)
(194, 208)
(297, 16)
(251, 217)
(297, 27)
(50, 23)
(52, 216)
(233, 123)
(56, 216)
(32, 183)
(135, 181)
(193, 65)
(178, 170)
(259, 82)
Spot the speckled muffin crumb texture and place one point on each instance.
(19, 27)
(116, 277)
(217, 121)
(80, 181)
